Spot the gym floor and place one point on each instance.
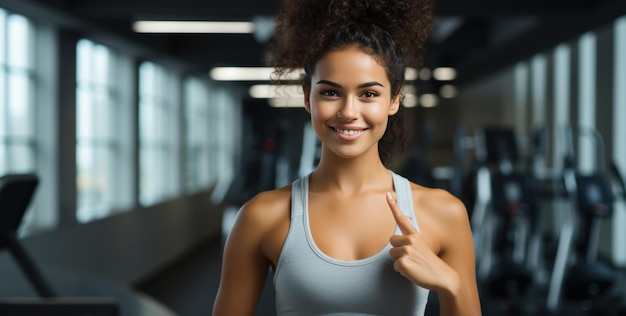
(190, 286)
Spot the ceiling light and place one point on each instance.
(267, 91)
(425, 74)
(409, 89)
(409, 101)
(249, 74)
(428, 100)
(447, 91)
(265, 74)
(287, 102)
(444, 73)
(192, 27)
(410, 74)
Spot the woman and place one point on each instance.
(352, 237)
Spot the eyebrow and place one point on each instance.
(363, 85)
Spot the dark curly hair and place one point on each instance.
(392, 31)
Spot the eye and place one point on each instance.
(329, 93)
(370, 94)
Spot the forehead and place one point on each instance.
(350, 65)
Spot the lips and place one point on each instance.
(348, 133)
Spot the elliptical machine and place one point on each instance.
(578, 274)
(500, 221)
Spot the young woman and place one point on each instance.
(352, 237)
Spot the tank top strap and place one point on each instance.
(405, 197)
(299, 190)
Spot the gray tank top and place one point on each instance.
(308, 282)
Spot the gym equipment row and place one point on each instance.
(510, 195)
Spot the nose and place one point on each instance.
(349, 109)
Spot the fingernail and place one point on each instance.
(389, 196)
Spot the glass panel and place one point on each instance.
(197, 117)
(586, 99)
(83, 53)
(19, 38)
(147, 80)
(619, 133)
(157, 117)
(163, 129)
(561, 95)
(101, 65)
(150, 181)
(83, 114)
(3, 106)
(94, 170)
(17, 116)
(148, 121)
(97, 141)
(21, 158)
(100, 120)
(3, 21)
(19, 113)
(539, 74)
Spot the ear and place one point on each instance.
(307, 102)
(395, 105)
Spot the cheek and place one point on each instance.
(322, 110)
(376, 114)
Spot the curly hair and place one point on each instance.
(394, 32)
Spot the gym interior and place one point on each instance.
(125, 153)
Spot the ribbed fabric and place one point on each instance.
(308, 282)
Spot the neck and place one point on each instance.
(350, 176)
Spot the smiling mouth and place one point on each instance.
(350, 132)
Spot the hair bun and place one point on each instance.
(300, 22)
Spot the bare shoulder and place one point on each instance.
(263, 222)
(439, 203)
(441, 215)
(266, 209)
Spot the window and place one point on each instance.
(521, 71)
(96, 145)
(158, 134)
(198, 135)
(17, 113)
(586, 99)
(224, 113)
(619, 132)
(17, 105)
(538, 66)
(562, 93)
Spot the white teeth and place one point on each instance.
(347, 131)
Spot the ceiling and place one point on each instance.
(477, 37)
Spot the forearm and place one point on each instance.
(454, 300)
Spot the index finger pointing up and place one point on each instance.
(403, 222)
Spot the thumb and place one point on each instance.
(403, 222)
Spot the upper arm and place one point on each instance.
(244, 267)
(458, 246)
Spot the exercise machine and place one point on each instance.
(16, 191)
(500, 219)
(578, 274)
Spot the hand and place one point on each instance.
(413, 258)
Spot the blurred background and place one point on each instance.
(145, 125)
